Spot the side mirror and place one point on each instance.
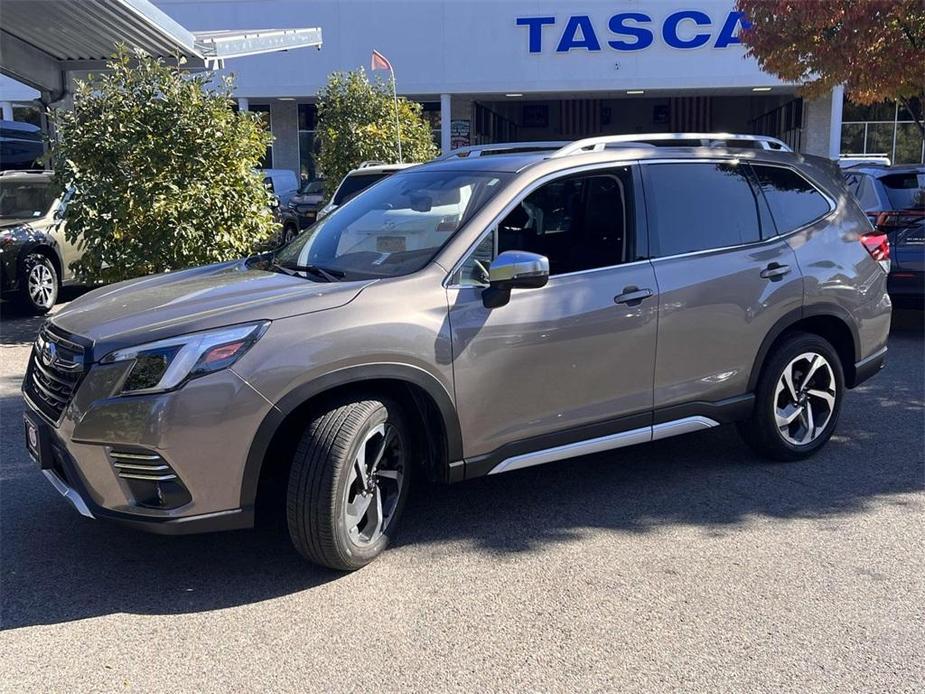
(514, 270)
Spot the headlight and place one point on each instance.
(167, 364)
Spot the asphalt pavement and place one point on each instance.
(687, 564)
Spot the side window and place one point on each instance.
(699, 206)
(579, 222)
(793, 200)
(474, 271)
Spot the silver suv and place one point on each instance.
(462, 318)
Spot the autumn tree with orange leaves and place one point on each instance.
(876, 48)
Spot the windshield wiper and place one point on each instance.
(327, 274)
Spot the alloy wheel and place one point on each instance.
(41, 285)
(804, 399)
(374, 485)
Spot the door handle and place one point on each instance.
(775, 271)
(632, 295)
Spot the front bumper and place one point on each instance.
(200, 433)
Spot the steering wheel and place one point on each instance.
(481, 271)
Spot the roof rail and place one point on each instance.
(371, 162)
(497, 147)
(10, 172)
(597, 144)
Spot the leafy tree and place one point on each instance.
(876, 48)
(356, 123)
(162, 169)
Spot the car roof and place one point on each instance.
(379, 168)
(515, 163)
(879, 171)
(26, 175)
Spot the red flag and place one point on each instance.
(379, 62)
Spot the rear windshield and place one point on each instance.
(905, 190)
(25, 199)
(356, 183)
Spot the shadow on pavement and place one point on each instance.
(58, 567)
(17, 328)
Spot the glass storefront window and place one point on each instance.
(308, 115)
(263, 110)
(880, 138)
(908, 144)
(852, 138)
(884, 129)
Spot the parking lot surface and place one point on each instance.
(687, 564)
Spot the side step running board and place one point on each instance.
(605, 443)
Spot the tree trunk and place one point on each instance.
(917, 119)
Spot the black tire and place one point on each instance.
(289, 233)
(37, 267)
(761, 430)
(323, 479)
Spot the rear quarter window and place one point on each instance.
(793, 200)
(700, 206)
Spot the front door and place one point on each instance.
(572, 360)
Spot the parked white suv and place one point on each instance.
(357, 181)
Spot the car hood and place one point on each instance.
(160, 306)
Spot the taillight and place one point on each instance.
(878, 245)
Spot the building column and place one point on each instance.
(7, 108)
(243, 104)
(446, 119)
(838, 99)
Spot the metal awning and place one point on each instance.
(41, 41)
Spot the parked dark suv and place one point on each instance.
(463, 318)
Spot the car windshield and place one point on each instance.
(312, 187)
(355, 183)
(393, 229)
(25, 199)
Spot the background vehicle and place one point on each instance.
(34, 253)
(357, 181)
(461, 318)
(893, 197)
(21, 145)
(306, 202)
(282, 183)
(847, 161)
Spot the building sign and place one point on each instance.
(632, 31)
(459, 134)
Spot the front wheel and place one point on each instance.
(38, 284)
(798, 400)
(348, 483)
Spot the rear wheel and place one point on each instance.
(38, 284)
(798, 400)
(348, 483)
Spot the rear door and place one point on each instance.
(724, 279)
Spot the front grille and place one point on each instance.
(56, 366)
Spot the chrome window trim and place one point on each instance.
(506, 210)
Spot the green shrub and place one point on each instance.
(356, 123)
(163, 170)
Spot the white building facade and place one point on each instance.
(522, 69)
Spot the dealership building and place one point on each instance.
(523, 70)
